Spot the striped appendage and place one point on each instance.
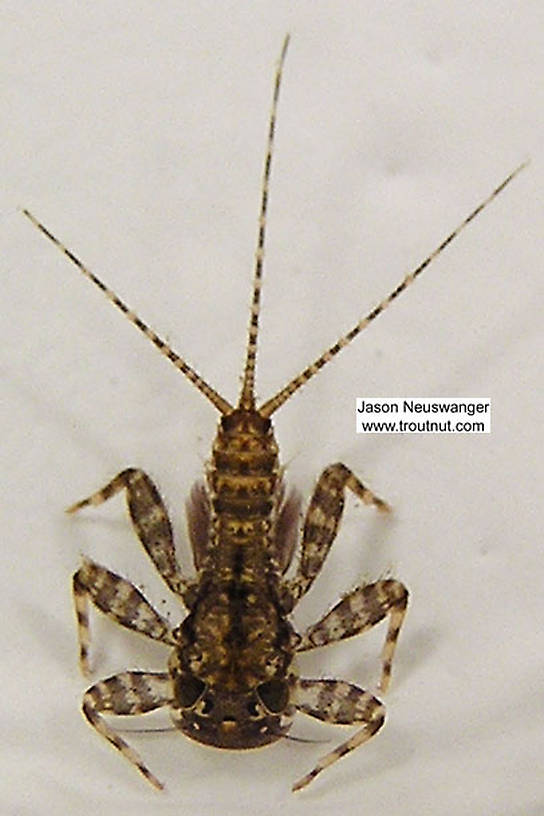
(321, 524)
(275, 402)
(149, 518)
(335, 701)
(247, 395)
(119, 600)
(126, 694)
(227, 542)
(358, 612)
(210, 393)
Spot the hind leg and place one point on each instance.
(321, 525)
(149, 518)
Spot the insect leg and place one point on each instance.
(119, 600)
(359, 611)
(149, 518)
(335, 701)
(321, 524)
(127, 693)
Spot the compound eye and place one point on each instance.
(274, 695)
(188, 690)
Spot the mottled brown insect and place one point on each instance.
(232, 679)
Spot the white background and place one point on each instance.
(136, 133)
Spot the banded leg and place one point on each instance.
(359, 611)
(127, 693)
(149, 519)
(335, 701)
(321, 524)
(119, 600)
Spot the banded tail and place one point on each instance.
(247, 394)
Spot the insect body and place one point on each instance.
(232, 680)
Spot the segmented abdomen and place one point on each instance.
(244, 485)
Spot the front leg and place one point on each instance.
(321, 524)
(149, 518)
(335, 701)
(359, 611)
(126, 694)
(119, 600)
